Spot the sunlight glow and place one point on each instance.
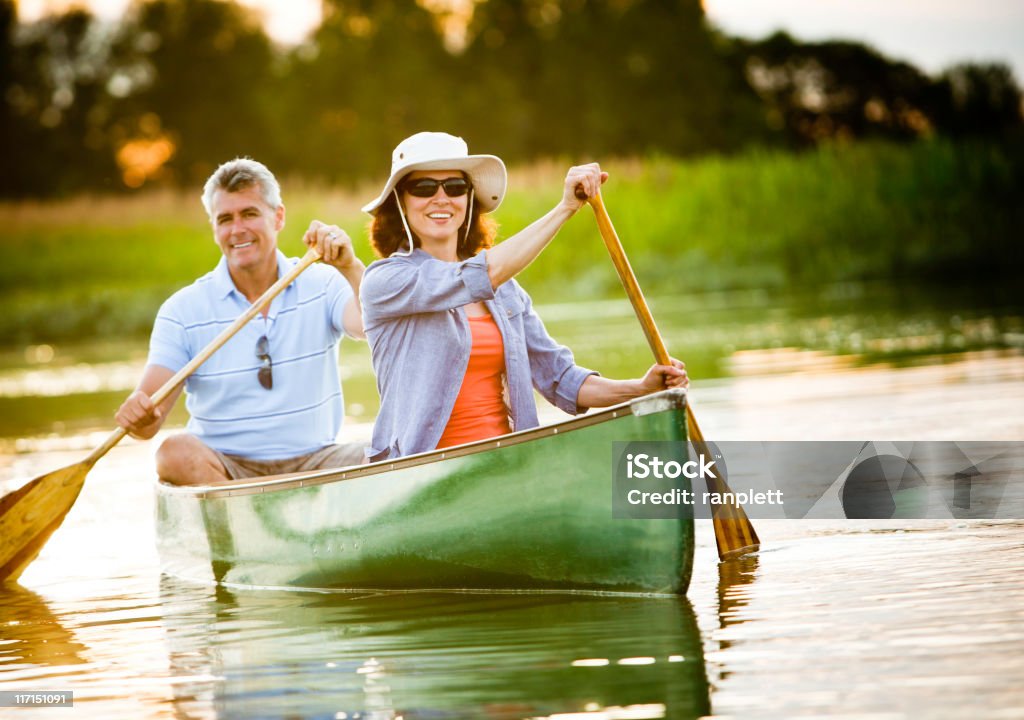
(286, 21)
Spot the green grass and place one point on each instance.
(930, 212)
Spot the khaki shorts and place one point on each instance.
(332, 456)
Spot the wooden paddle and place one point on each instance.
(734, 533)
(30, 514)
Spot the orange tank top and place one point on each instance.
(480, 411)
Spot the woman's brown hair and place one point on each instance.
(387, 233)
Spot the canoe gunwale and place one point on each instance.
(665, 400)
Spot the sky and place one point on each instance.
(287, 21)
(931, 34)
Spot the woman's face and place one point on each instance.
(436, 219)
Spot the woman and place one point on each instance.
(456, 345)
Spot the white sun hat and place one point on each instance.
(441, 151)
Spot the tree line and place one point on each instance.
(176, 86)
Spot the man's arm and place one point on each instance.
(335, 247)
(137, 414)
(352, 316)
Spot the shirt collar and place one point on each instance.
(223, 283)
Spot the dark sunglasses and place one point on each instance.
(426, 187)
(265, 374)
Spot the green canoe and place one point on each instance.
(527, 511)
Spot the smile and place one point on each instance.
(439, 216)
(239, 246)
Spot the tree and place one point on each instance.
(56, 112)
(376, 72)
(601, 77)
(979, 100)
(198, 83)
(816, 91)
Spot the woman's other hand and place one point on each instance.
(587, 178)
(663, 377)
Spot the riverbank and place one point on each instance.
(930, 214)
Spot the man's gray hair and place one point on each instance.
(240, 174)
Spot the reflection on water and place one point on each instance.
(870, 619)
(733, 576)
(415, 655)
(32, 635)
(832, 620)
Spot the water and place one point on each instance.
(831, 619)
(67, 389)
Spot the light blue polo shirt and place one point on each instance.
(230, 411)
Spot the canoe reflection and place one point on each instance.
(415, 655)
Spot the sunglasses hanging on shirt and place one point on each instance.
(265, 374)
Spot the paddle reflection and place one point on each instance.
(734, 578)
(31, 633)
(277, 654)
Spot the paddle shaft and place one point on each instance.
(734, 533)
(171, 385)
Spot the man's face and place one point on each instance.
(246, 228)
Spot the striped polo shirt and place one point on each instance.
(230, 411)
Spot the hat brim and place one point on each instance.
(486, 172)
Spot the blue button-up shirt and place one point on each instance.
(420, 342)
(230, 411)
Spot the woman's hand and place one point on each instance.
(586, 177)
(663, 377)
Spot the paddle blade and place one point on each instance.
(734, 533)
(30, 514)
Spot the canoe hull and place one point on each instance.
(529, 512)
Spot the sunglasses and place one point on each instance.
(426, 187)
(265, 374)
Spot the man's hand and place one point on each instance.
(333, 244)
(139, 416)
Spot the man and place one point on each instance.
(269, 401)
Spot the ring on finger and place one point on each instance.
(332, 235)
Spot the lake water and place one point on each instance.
(831, 619)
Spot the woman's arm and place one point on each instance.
(598, 391)
(396, 287)
(507, 259)
(574, 389)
